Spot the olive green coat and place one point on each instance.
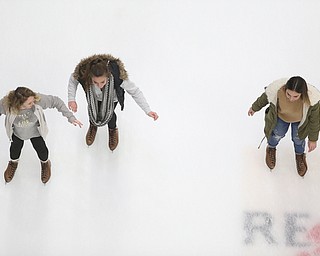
(310, 123)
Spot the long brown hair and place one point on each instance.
(299, 85)
(15, 99)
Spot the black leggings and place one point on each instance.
(38, 144)
(113, 121)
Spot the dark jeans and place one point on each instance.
(38, 144)
(113, 121)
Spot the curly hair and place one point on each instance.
(98, 65)
(15, 98)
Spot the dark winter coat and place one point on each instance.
(116, 68)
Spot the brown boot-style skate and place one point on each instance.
(91, 134)
(113, 138)
(45, 171)
(10, 171)
(301, 164)
(271, 157)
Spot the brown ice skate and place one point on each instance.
(91, 134)
(113, 138)
(271, 157)
(301, 164)
(45, 171)
(10, 171)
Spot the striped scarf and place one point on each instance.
(101, 116)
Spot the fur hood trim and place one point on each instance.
(80, 69)
(272, 90)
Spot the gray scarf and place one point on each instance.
(101, 116)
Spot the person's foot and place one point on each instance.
(301, 164)
(271, 157)
(91, 134)
(45, 171)
(113, 138)
(10, 171)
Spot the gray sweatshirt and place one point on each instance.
(127, 85)
(32, 123)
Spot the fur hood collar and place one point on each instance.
(81, 68)
(272, 90)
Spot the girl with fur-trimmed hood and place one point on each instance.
(292, 102)
(25, 120)
(104, 81)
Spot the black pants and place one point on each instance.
(38, 144)
(113, 121)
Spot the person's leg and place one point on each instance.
(40, 146)
(112, 124)
(299, 148)
(92, 131)
(113, 131)
(15, 148)
(277, 134)
(299, 145)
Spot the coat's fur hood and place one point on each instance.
(272, 90)
(81, 68)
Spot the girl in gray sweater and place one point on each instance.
(25, 120)
(104, 81)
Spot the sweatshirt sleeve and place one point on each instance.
(49, 101)
(2, 107)
(72, 88)
(260, 102)
(136, 94)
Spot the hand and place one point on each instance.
(251, 112)
(77, 122)
(73, 106)
(154, 115)
(312, 145)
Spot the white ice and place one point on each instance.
(193, 182)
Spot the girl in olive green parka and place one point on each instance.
(292, 102)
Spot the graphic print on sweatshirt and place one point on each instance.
(25, 125)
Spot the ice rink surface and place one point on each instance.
(193, 182)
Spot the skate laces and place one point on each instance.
(300, 161)
(112, 136)
(91, 132)
(10, 171)
(43, 174)
(272, 155)
(44, 170)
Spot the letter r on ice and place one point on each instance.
(258, 223)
